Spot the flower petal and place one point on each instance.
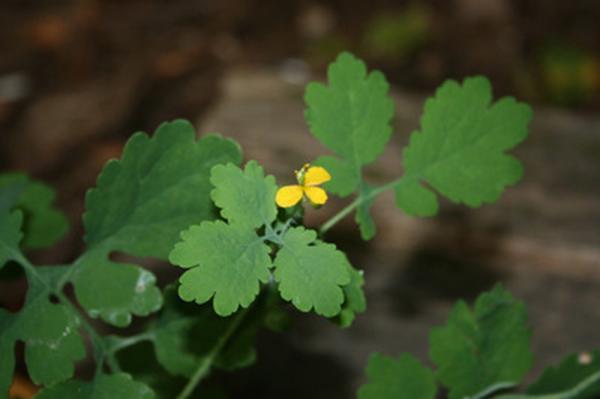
(316, 175)
(288, 196)
(316, 195)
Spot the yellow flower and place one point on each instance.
(309, 177)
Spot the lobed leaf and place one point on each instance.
(402, 378)
(159, 187)
(311, 273)
(460, 149)
(244, 196)
(344, 177)
(226, 262)
(114, 386)
(43, 224)
(352, 116)
(484, 347)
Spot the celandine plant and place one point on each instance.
(245, 253)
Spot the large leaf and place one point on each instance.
(402, 378)
(460, 149)
(160, 186)
(224, 261)
(43, 224)
(487, 346)
(114, 386)
(244, 196)
(311, 273)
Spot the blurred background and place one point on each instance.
(77, 78)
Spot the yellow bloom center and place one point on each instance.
(309, 178)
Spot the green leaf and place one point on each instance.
(185, 334)
(345, 178)
(355, 298)
(114, 386)
(159, 187)
(225, 261)
(10, 235)
(352, 116)
(246, 197)
(50, 332)
(460, 149)
(115, 291)
(311, 273)
(571, 371)
(404, 378)
(44, 225)
(484, 347)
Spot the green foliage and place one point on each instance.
(224, 261)
(43, 224)
(568, 375)
(489, 345)
(159, 187)
(173, 197)
(460, 148)
(404, 378)
(184, 336)
(355, 298)
(114, 386)
(10, 235)
(311, 273)
(245, 197)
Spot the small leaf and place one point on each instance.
(355, 298)
(460, 150)
(185, 334)
(404, 378)
(44, 225)
(571, 371)
(115, 291)
(225, 261)
(10, 235)
(352, 116)
(488, 346)
(311, 274)
(114, 386)
(246, 197)
(344, 177)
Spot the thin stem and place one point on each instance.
(125, 342)
(569, 394)
(204, 367)
(360, 200)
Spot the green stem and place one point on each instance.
(204, 367)
(360, 200)
(569, 394)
